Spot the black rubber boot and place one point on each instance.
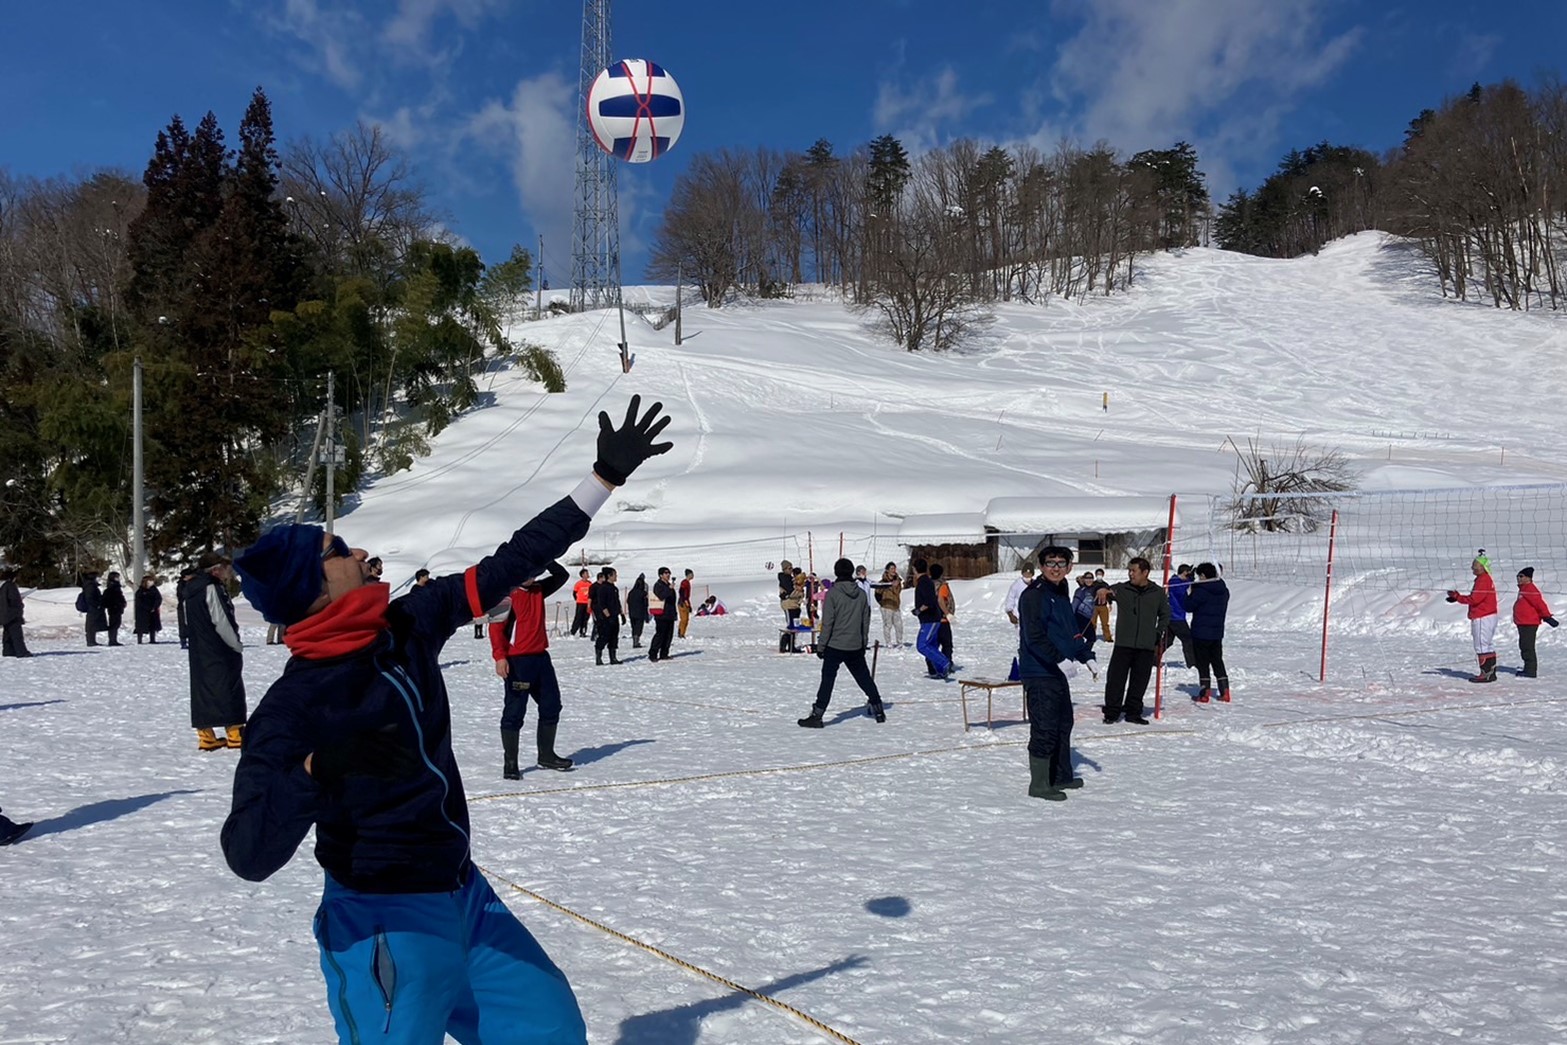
(548, 759)
(811, 721)
(1039, 785)
(509, 746)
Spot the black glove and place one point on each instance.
(1550, 620)
(621, 450)
(377, 754)
(1452, 596)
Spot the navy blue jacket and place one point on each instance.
(1048, 631)
(378, 836)
(925, 595)
(1177, 589)
(1208, 602)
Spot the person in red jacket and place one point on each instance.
(1481, 601)
(522, 660)
(1529, 612)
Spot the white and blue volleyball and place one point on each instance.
(635, 110)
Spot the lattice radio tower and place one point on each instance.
(595, 255)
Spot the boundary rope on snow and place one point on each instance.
(766, 999)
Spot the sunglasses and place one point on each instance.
(338, 547)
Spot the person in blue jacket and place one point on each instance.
(1050, 646)
(355, 740)
(1208, 601)
(1176, 589)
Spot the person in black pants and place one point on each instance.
(1050, 647)
(11, 614)
(663, 618)
(608, 615)
(114, 607)
(1142, 617)
(846, 628)
(1208, 602)
(636, 609)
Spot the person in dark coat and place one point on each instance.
(607, 615)
(148, 610)
(114, 607)
(927, 609)
(1142, 617)
(663, 616)
(186, 576)
(11, 618)
(1050, 647)
(846, 630)
(521, 650)
(11, 832)
(1208, 601)
(636, 609)
(217, 689)
(90, 603)
(355, 741)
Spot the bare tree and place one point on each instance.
(1282, 489)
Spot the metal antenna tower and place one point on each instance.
(595, 255)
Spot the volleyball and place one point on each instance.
(635, 110)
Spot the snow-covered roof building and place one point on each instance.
(1102, 531)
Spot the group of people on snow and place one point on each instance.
(1529, 612)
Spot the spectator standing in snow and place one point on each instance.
(1024, 579)
(1208, 601)
(113, 607)
(11, 832)
(520, 649)
(608, 615)
(187, 575)
(889, 596)
(89, 601)
(1142, 616)
(663, 616)
(927, 610)
(786, 593)
(148, 610)
(1481, 601)
(1529, 612)
(637, 609)
(1049, 649)
(11, 615)
(1180, 584)
(683, 602)
(1084, 605)
(580, 592)
(846, 625)
(355, 740)
(217, 688)
(1102, 609)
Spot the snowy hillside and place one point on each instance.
(793, 416)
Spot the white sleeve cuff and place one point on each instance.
(590, 495)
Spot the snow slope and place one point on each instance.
(1374, 859)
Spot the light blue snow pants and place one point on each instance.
(410, 968)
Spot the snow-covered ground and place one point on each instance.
(1374, 859)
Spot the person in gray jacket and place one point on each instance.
(1142, 616)
(846, 628)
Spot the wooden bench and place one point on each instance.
(989, 686)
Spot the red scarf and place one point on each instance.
(349, 623)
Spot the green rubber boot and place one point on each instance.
(1039, 785)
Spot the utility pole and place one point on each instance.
(138, 492)
(331, 450)
(679, 286)
(538, 284)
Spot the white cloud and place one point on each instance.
(915, 110)
(331, 36)
(411, 28)
(1141, 75)
(535, 132)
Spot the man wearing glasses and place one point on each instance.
(355, 740)
(1050, 646)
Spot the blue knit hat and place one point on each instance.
(281, 573)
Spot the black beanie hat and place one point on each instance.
(1527, 571)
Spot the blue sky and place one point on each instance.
(481, 94)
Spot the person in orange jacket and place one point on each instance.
(580, 591)
(1481, 601)
(1529, 612)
